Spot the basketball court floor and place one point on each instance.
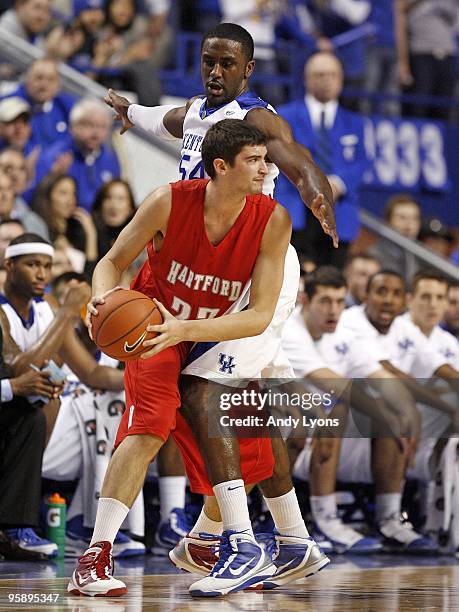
(375, 584)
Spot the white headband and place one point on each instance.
(29, 248)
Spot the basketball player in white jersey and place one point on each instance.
(436, 461)
(400, 347)
(329, 357)
(34, 333)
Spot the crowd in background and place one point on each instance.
(62, 179)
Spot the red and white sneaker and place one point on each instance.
(196, 553)
(93, 574)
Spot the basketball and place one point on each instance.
(119, 330)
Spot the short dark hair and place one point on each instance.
(226, 139)
(395, 200)
(365, 256)
(232, 31)
(325, 276)
(29, 237)
(429, 274)
(387, 272)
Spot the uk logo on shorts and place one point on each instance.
(226, 362)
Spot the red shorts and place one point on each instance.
(152, 394)
(256, 456)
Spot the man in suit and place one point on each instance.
(22, 442)
(335, 138)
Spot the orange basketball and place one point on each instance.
(120, 328)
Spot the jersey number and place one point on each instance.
(186, 172)
(183, 310)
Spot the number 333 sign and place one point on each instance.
(406, 154)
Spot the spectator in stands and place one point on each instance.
(381, 58)
(49, 106)
(29, 20)
(125, 43)
(403, 214)
(113, 208)
(296, 23)
(75, 42)
(22, 442)
(9, 229)
(427, 52)
(436, 236)
(15, 125)
(71, 227)
(451, 317)
(335, 19)
(259, 18)
(11, 207)
(85, 153)
(358, 270)
(335, 138)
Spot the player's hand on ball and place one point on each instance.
(323, 211)
(91, 308)
(170, 332)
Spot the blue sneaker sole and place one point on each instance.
(240, 587)
(269, 586)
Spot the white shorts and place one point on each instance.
(257, 355)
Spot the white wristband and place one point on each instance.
(150, 119)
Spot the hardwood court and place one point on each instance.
(339, 589)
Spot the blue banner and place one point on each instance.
(415, 156)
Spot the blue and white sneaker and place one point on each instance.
(170, 532)
(344, 539)
(242, 562)
(78, 538)
(27, 539)
(294, 558)
(399, 536)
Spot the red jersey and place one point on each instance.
(193, 278)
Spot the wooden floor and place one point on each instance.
(340, 589)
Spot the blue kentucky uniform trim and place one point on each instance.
(246, 101)
(27, 324)
(197, 351)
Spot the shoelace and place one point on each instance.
(268, 541)
(99, 560)
(225, 549)
(27, 534)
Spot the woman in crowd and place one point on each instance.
(71, 228)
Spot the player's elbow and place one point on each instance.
(262, 322)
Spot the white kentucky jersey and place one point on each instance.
(444, 343)
(340, 351)
(405, 346)
(27, 333)
(199, 119)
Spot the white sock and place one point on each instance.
(206, 525)
(388, 504)
(171, 494)
(286, 514)
(109, 518)
(323, 507)
(232, 499)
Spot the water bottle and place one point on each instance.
(55, 521)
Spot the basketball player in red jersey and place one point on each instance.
(226, 66)
(206, 240)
